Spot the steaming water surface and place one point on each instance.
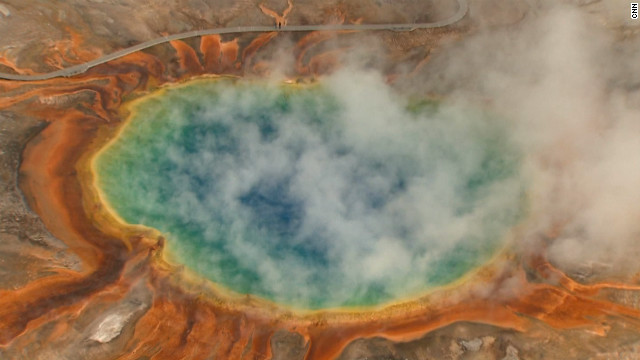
(339, 194)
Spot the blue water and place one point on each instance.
(307, 197)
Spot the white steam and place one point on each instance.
(569, 85)
(571, 94)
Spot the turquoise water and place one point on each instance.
(314, 197)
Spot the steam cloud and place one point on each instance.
(566, 85)
(570, 86)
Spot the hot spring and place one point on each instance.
(316, 196)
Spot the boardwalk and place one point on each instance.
(81, 68)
